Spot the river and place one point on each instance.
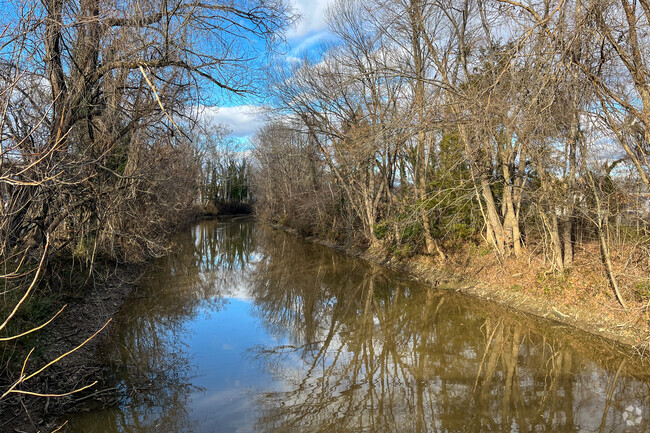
(248, 329)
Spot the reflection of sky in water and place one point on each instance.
(220, 343)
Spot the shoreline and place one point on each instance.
(424, 269)
(84, 315)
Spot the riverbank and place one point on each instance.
(85, 313)
(581, 299)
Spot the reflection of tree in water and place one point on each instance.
(286, 269)
(151, 366)
(368, 352)
(153, 374)
(212, 259)
(223, 245)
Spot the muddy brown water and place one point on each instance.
(247, 329)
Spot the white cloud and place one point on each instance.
(304, 46)
(309, 42)
(242, 120)
(312, 14)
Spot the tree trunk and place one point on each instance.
(568, 218)
(510, 221)
(607, 259)
(53, 36)
(567, 249)
(604, 244)
(415, 11)
(492, 216)
(556, 245)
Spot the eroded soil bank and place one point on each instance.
(582, 298)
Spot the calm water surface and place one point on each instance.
(246, 329)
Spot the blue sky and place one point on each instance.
(242, 115)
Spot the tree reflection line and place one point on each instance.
(391, 357)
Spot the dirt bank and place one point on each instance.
(85, 314)
(581, 298)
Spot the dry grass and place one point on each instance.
(581, 297)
